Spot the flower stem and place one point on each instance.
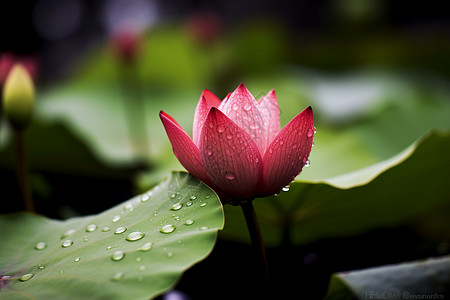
(255, 234)
(22, 172)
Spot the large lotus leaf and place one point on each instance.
(427, 279)
(395, 192)
(135, 250)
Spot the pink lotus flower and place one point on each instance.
(238, 148)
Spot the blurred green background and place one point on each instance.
(375, 72)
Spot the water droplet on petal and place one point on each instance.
(91, 228)
(229, 136)
(167, 228)
(220, 129)
(189, 222)
(229, 175)
(135, 236)
(176, 206)
(117, 276)
(67, 233)
(26, 277)
(40, 246)
(120, 230)
(310, 133)
(307, 164)
(235, 107)
(146, 247)
(248, 106)
(209, 152)
(67, 243)
(118, 255)
(77, 259)
(116, 218)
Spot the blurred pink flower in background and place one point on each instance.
(7, 61)
(238, 148)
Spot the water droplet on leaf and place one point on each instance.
(41, 267)
(167, 228)
(117, 276)
(176, 206)
(118, 255)
(106, 229)
(203, 204)
(26, 277)
(135, 236)
(67, 233)
(286, 188)
(146, 197)
(40, 246)
(146, 247)
(77, 259)
(91, 228)
(116, 218)
(189, 222)
(67, 243)
(307, 164)
(120, 230)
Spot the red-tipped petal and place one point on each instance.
(231, 158)
(268, 106)
(184, 148)
(207, 100)
(242, 108)
(288, 153)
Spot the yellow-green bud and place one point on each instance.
(18, 97)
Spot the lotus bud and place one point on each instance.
(18, 97)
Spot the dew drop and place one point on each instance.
(117, 276)
(77, 259)
(220, 129)
(116, 218)
(67, 233)
(91, 228)
(307, 164)
(310, 133)
(189, 222)
(41, 267)
(167, 228)
(270, 150)
(235, 107)
(67, 243)
(193, 197)
(146, 247)
(211, 125)
(281, 143)
(139, 259)
(145, 197)
(248, 106)
(286, 188)
(109, 248)
(189, 203)
(209, 152)
(204, 227)
(229, 175)
(170, 254)
(106, 229)
(120, 230)
(176, 206)
(173, 195)
(294, 146)
(40, 246)
(203, 204)
(229, 136)
(26, 277)
(135, 236)
(118, 255)
(142, 268)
